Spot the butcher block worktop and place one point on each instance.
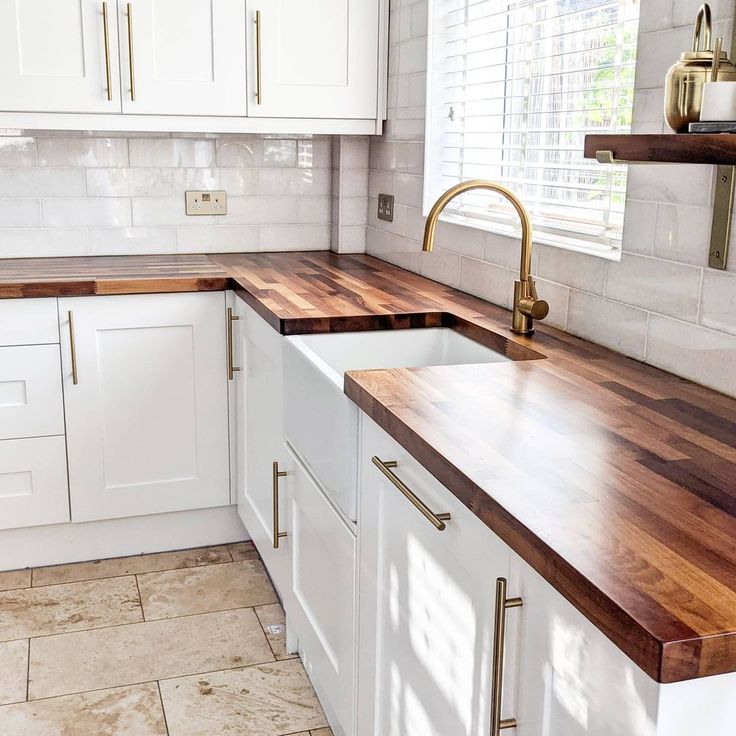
(614, 480)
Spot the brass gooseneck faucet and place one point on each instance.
(527, 306)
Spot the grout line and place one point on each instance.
(263, 629)
(140, 598)
(28, 670)
(163, 708)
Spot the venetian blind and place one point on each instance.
(513, 89)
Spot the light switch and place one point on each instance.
(206, 203)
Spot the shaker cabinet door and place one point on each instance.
(146, 403)
(260, 443)
(313, 58)
(426, 603)
(59, 56)
(183, 57)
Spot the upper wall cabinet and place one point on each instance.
(314, 58)
(221, 66)
(58, 55)
(183, 57)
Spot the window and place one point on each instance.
(513, 89)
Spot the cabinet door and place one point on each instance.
(323, 610)
(188, 57)
(572, 680)
(54, 56)
(260, 440)
(426, 604)
(147, 425)
(315, 59)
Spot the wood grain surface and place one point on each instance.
(614, 480)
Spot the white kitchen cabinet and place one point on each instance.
(323, 610)
(316, 58)
(53, 56)
(33, 482)
(260, 444)
(426, 604)
(146, 403)
(188, 57)
(31, 404)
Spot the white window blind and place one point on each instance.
(514, 86)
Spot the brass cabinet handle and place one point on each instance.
(276, 475)
(258, 57)
(437, 520)
(499, 645)
(73, 348)
(231, 369)
(106, 34)
(131, 59)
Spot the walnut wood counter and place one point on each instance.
(614, 480)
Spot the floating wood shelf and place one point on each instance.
(682, 148)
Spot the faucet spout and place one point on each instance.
(527, 306)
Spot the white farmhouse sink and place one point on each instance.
(322, 423)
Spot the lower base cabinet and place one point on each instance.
(146, 403)
(426, 603)
(322, 610)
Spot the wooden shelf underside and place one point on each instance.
(682, 148)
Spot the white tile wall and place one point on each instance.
(661, 303)
(94, 194)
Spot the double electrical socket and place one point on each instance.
(206, 203)
(386, 207)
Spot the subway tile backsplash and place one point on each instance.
(661, 303)
(92, 194)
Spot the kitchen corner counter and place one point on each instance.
(614, 480)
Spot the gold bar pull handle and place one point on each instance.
(259, 95)
(499, 646)
(437, 520)
(231, 369)
(106, 35)
(276, 475)
(131, 57)
(73, 348)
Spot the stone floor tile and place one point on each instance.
(144, 652)
(244, 551)
(273, 622)
(15, 579)
(130, 565)
(13, 671)
(321, 732)
(205, 589)
(265, 700)
(72, 607)
(125, 711)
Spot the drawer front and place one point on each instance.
(31, 402)
(28, 321)
(33, 482)
(323, 606)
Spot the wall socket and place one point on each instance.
(386, 207)
(206, 203)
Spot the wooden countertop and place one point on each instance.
(612, 479)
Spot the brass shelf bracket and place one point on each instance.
(720, 231)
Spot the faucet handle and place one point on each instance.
(529, 304)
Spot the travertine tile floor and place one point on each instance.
(183, 643)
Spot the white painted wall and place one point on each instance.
(661, 303)
(65, 194)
